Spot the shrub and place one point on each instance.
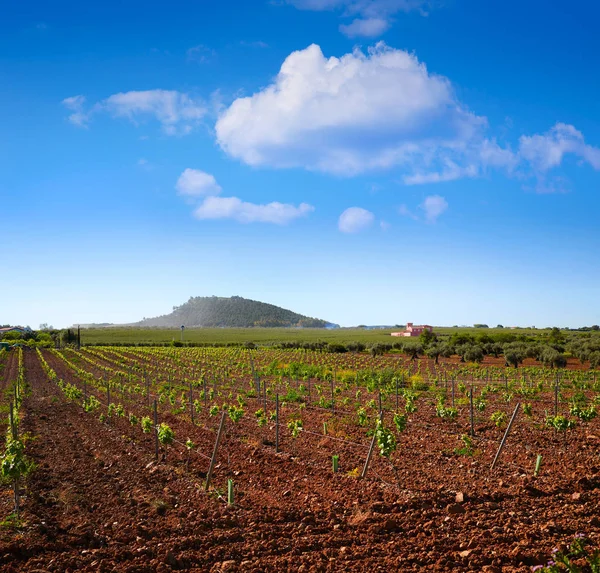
(146, 425)
(165, 434)
(499, 418)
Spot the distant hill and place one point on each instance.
(215, 311)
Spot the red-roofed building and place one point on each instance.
(414, 330)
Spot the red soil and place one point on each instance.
(99, 502)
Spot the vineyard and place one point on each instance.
(214, 459)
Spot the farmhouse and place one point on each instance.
(412, 330)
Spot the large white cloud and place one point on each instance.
(196, 183)
(348, 115)
(355, 219)
(178, 113)
(245, 212)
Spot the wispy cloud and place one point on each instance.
(367, 27)
(432, 207)
(371, 17)
(200, 54)
(355, 219)
(255, 44)
(406, 212)
(178, 113)
(75, 104)
(547, 151)
(144, 164)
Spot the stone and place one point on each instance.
(455, 509)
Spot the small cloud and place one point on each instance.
(245, 212)
(41, 26)
(384, 225)
(365, 27)
(200, 54)
(196, 183)
(75, 104)
(355, 219)
(434, 206)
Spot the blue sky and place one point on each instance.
(362, 161)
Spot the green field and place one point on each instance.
(264, 336)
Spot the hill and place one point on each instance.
(215, 311)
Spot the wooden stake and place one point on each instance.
(510, 423)
(471, 401)
(191, 403)
(332, 396)
(211, 467)
(276, 423)
(147, 387)
(155, 431)
(556, 396)
(13, 429)
(370, 454)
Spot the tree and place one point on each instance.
(548, 356)
(556, 336)
(595, 359)
(426, 338)
(413, 350)
(515, 353)
(434, 351)
(12, 335)
(68, 336)
(377, 350)
(474, 354)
